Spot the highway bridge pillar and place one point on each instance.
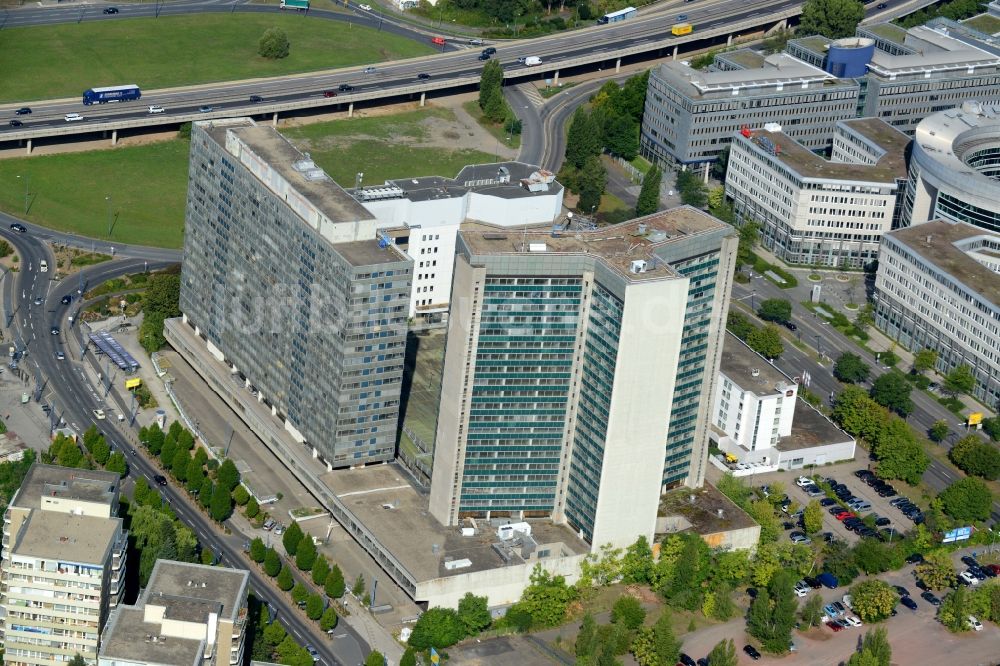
(28, 147)
(423, 96)
(674, 57)
(705, 175)
(729, 40)
(555, 80)
(350, 110)
(274, 119)
(618, 65)
(114, 137)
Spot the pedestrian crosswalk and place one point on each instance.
(531, 92)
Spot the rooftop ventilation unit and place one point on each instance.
(755, 372)
(638, 266)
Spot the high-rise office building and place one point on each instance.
(578, 371)
(287, 279)
(63, 568)
(188, 615)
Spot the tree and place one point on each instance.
(358, 589)
(257, 550)
(874, 651)
(590, 183)
(329, 620)
(320, 570)
(284, 579)
(273, 44)
(850, 368)
(77, 660)
(291, 654)
(206, 492)
(899, 454)
(936, 571)
(649, 195)
(656, 645)
(374, 658)
(546, 598)
(305, 554)
(967, 499)
(227, 475)
(721, 164)
(925, 360)
(723, 654)
(314, 606)
(474, 613)
(766, 342)
(240, 495)
(637, 563)
(938, 431)
(195, 476)
(437, 628)
(831, 18)
(775, 309)
(691, 188)
(873, 599)
(272, 562)
(116, 463)
(253, 508)
(976, 457)
(583, 139)
(299, 593)
(991, 426)
(812, 517)
(762, 511)
(179, 468)
(959, 380)
(586, 639)
(334, 585)
(812, 611)
(953, 611)
(490, 83)
(160, 301)
(221, 506)
(628, 612)
(739, 325)
(101, 451)
(291, 538)
(892, 391)
(621, 136)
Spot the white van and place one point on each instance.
(156, 109)
(43, 266)
(72, 117)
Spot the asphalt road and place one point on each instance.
(64, 385)
(827, 340)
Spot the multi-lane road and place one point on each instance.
(64, 385)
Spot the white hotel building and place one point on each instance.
(817, 211)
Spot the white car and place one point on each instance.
(156, 109)
(968, 578)
(801, 539)
(975, 624)
(853, 621)
(801, 589)
(803, 481)
(99, 414)
(72, 117)
(367, 8)
(43, 266)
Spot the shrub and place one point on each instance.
(273, 44)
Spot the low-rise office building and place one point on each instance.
(938, 287)
(812, 210)
(955, 167)
(188, 615)
(63, 570)
(423, 216)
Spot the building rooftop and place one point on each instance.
(939, 243)
(889, 31)
(710, 511)
(779, 69)
(127, 638)
(382, 498)
(505, 180)
(286, 160)
(811, 428)
(749, 370)
(618, 246)
(815, 43)
(807, 164)
(68, 537)
(190, 589)
(66, 483)
(369, 253)
(742, 58)
(937, 52)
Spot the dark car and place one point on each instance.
(54, 330)
(686, 660)
(828, 537)
(751, 652)
(23, 111)
(881, 5)
(682, 17)
(863, 474)
(827, 501)
(490, 50)
(812, 582)
(969, 561)
(909, 603)
(791, 327)
(423, 76)
(15, 123)
(110, 10)
(929, 597)
(329, 93)
(788, 526)
(19, 228)
(752, 592)
(703, 661)
(828, 580)
(256, 99)
(484, 56)
(882, 521)
(65, 300)
(160, 480)
(902, 591)
(345, 87)
(205, 109)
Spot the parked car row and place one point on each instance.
(909, 509)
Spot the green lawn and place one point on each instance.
(170, 51)
(377, 146)
(496, 129)
(147, 184)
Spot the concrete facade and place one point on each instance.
(550, 404)
(955, 166)
(938, 286)
(61, 533)
(817, 211)
(423, 216)
(285, 279)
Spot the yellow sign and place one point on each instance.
(135, 382)
(975, 418)
(682, 29)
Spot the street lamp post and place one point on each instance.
(753, 293)
(819, 347)
(110, 203)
